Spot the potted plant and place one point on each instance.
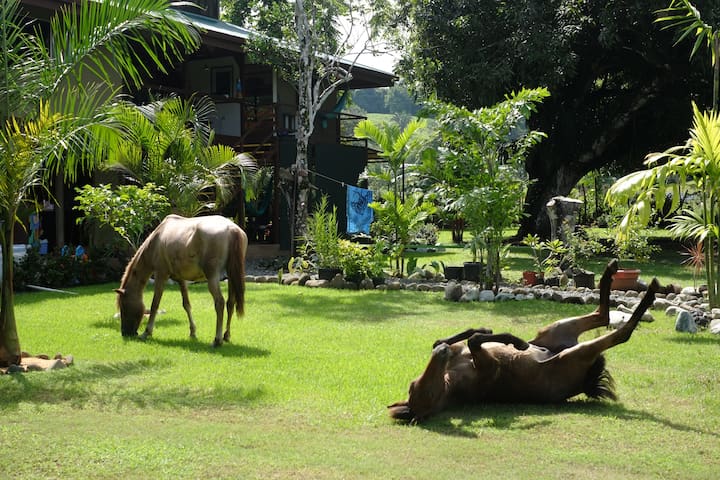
(322, 241)
(548, 257)
(581, 247)
(634, 245)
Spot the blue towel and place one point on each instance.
(359, 214)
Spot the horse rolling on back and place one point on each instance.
(552, 367)
(186, 249)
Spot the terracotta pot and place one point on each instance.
(531, 278)
(625, 279)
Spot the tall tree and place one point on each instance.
(55, 91)
(305, 43)
(618, 88)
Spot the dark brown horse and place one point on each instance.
(183, 249)
(552, 367)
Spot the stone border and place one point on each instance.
(689, 305)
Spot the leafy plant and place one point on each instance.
(128, 209)
(548, 255)
(695, 167)
(481, 164)
(395, 220)
(361, 261)
(322, 240)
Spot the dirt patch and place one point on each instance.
(39, 363)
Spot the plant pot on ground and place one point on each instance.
(532, 278)
(454, 273)
(584, 278)
(472, 271)
(625, 279)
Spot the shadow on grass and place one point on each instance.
(228, 349)
(694, 339)
(80, 386)
(462, 422)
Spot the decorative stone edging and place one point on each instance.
(689, 305)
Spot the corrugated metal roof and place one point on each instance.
(233, 31)
(218, 26)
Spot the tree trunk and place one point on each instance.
(578, 143)
(9, 341)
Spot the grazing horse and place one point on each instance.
(552, 367)
(183, 249)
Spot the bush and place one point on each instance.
(61, 269)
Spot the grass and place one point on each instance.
(301, 393)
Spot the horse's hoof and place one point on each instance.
(145, 336)
(217, 343)
(226, 337)
(441, 350)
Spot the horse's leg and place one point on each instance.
(216, 292)
(589, 350)
(478, 339)
(187, 307)
(564, 333)
(230, 307)
(462, 336)
(157, 296)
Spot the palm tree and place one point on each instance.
(55, 90)
(683, 15)
(397, 214)
(694, 165)
(171, 146)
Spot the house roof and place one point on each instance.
(225, 35)
(216, 33)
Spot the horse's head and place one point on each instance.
(131, 313)
(428, 392)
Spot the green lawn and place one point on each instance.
(301, 393)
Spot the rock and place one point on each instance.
(304, 278)
(338, 281)
(394, 285)
(486, 296)
(417, 275)
(661, 304)
(685, 322)
(574, 299)
(618, 318)
(673, 310)
(316, 283)
(504, 296)
(690, 291)
(472, 295)
(453, 291)
(715, 327)
(366, 284)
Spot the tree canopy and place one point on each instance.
(619, 87)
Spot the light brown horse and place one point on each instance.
(552, 367)
(183, 249)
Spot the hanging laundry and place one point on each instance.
(359, 214)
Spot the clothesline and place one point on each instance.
(328, 178)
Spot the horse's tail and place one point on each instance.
(598, 381)
(236, 269)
